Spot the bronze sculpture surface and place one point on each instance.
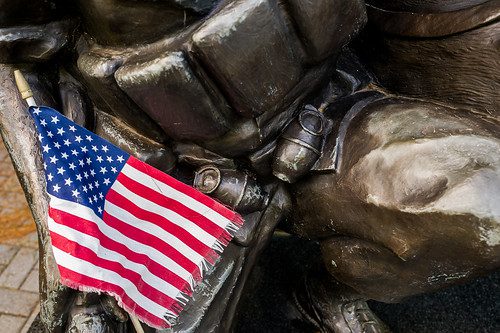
(372, 129)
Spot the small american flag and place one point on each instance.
(122, 227)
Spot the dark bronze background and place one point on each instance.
(369, 130)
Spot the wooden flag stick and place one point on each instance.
(24, 88)
(136, 323)
(27, 94)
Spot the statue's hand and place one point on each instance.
(230, 82)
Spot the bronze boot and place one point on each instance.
(333, 307)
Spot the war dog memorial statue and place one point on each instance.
(371, 128)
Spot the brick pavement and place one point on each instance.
(18, 254)
(18, 283)
(15, 216)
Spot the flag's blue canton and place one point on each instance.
(79, 165)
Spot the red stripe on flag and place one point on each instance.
(188, 190)
(172, 204)
(145, 238)
(79, 251)
(77, 280)
(91, 228)
(162, 222)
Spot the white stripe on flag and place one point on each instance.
(86, 213)
(166, 190)
(154, 230)
(171, 215)
(95, 246)
(85, 268)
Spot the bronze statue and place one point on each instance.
(371, 128)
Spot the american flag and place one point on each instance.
(122, 227)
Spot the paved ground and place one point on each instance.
(15, 216)
(18, 283)
(18, 254)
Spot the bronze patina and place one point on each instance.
(370, 128)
